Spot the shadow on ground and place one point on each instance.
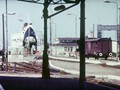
(27, 83)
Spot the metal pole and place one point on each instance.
(6, 35)
(50, 37)
(117, 29)
(93, 30)
(76, 26)
(75, 23)
(55, 38)
(45, 64)
(119, 34)
(3, 56)
(82, 46)
(50, 32)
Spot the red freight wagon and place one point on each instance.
(98, 47)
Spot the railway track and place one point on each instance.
(25, 67)
(30, 67)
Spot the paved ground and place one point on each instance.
(110, 61)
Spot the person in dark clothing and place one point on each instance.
(29, 37)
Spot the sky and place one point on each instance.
(63, 25)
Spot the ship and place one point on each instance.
(17, 52)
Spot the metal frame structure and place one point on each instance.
(46, 3)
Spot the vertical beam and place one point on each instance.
(117, 30)
(6, 35)
(45, 64)
(82, 46)
(50, 32)
(119, 35)
(76, 26)
(3, 56)
(50, 44)
(93, 30)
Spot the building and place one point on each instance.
(65, 47)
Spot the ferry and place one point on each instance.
(17, 52)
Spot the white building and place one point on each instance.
(16, 44)
(64, 47)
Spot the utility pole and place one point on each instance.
(119, 35)
(82, 46)
(50, 32)
(3, 56)
(117, 32)
(50, 45)
(6, 36)
(93, 30)
(75, 23)
(45, 64)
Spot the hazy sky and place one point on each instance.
(97, 12)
